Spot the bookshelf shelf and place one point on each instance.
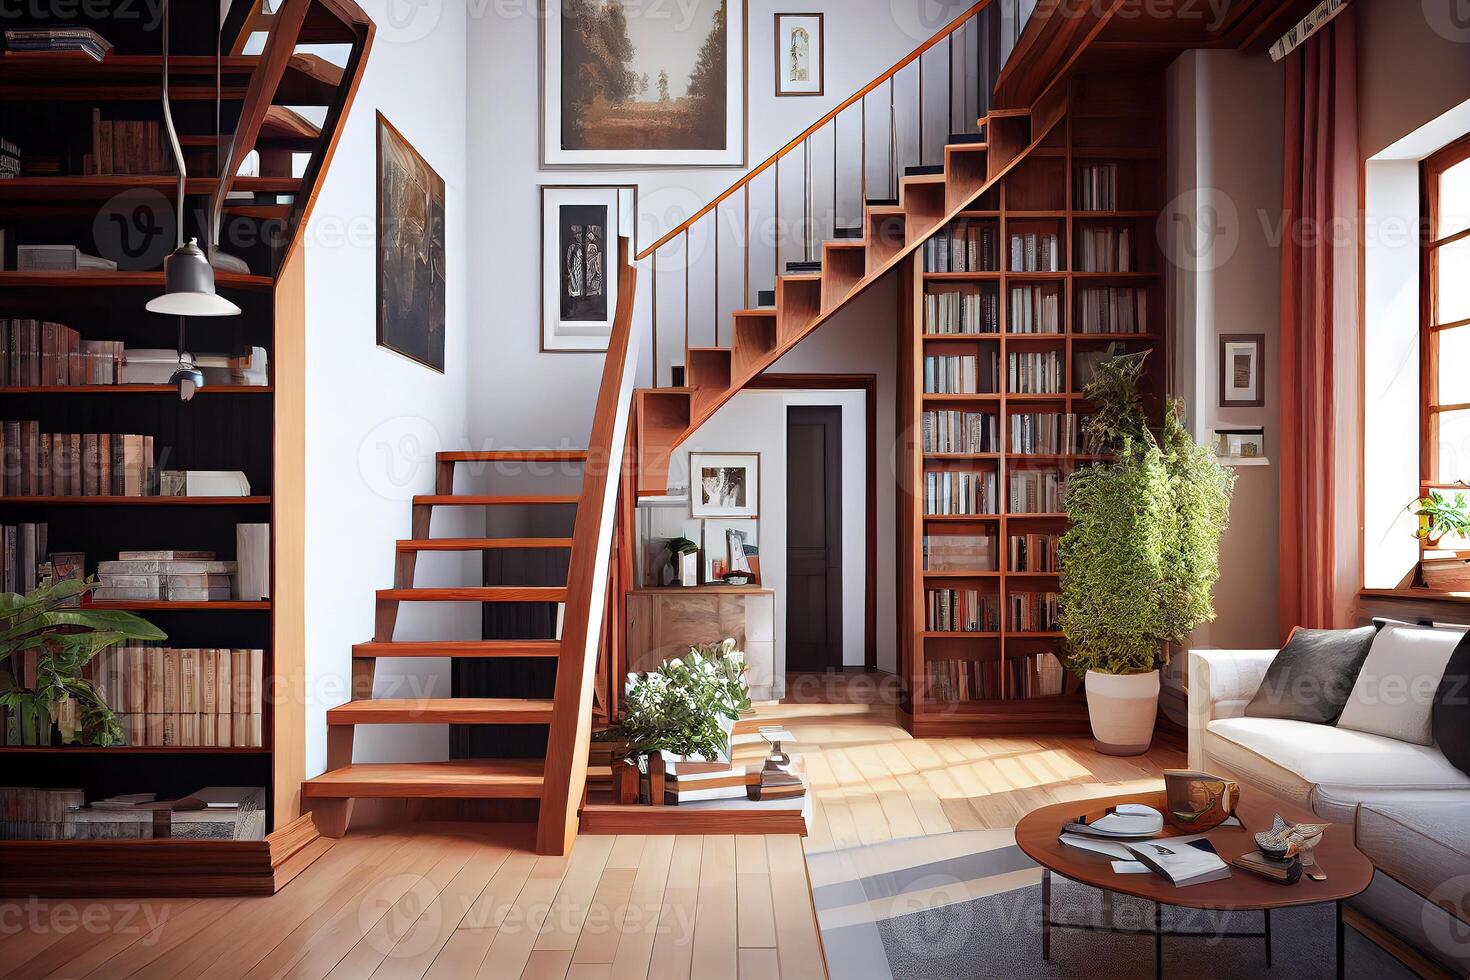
(972, 518)
(122, 280)
(151, 605)
(960, 635)
(44, 191)
(171, 390)
(970, 574)
(109, 501)
(962, 276)
(131, 750)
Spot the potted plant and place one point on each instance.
(1441, 517)
(64, 638)
(1140, 561)
(684, 710)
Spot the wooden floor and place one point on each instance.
(457, 901)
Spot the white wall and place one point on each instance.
(374, 418)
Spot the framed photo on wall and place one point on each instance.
(580, 226)
(1241, 378)
(724, 484)
(410, 226)
(801, 47)
(629, 84)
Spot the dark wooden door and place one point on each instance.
(813, 537)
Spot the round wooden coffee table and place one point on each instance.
(1348, 870)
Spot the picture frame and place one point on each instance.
(682, 119)
(724, 485)
(411, 244)
(578, 302)
(1241, 380)
(800, 55)
(716, 547)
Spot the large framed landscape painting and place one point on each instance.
(643, 83)
(410, 251)
(580, 226)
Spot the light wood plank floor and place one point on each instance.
(457, 901)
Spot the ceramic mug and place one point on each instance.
(1198, 801)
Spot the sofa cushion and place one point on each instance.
(1331, 769)
(1312, 676)
(1423, 846)
(1394, 693)
(1450, 719)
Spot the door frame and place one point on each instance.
(868, 384)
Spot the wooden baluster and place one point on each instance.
(834, 174)
(653, 354)
(863, 145)
(776, 232)
(921, 110)
(892, 140)
(686, 306)
(949, 84)
(716, 213)
(745, 287)
(806, 199)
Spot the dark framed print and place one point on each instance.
(724, 485)
(411, 264)
(801, 48)
(1241, 359)
(580, 227)
(625, 83)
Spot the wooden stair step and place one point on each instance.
(480, 544)
(459, 648)
(475, 594)
(457, 779)
(968, 140)
(490, 500)
(924, 170)
(442, 711)
(520, 455)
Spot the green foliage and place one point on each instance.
(1140, 562)
(707, 80)
(65, 638)
(677, 706)
(1439, 516)
(596, 50)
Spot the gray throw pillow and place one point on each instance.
(1312, 676)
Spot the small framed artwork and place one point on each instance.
(1241, 356)
(724, 484)
(1245, 443)
(731, 547)
(410, 251)
(800, 54)
(580, 226)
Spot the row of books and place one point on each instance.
(1046, 432)
(35, 353)
(962, 611)
(212, 813)
(1104, 249)
(959, 552)
(9, 159)
(166, 696)
(59, 258)
(956, 680)
(959, 492)
(1037, 492)
(1034, 612)
(25, 549)
(1112, 309)
(1095, 187)
(969, 247)
(172, 576)
(126, 146)
(962, 312)
(960, 432)
(1035, 309)
(1034, 372)
(75, 464)
(1040, 675)
(1032, 552)
(958, 374)
(1036, 252)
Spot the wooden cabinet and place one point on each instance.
(663, 623)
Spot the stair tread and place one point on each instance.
(458, 648)
(442, 711)
(492, 455)
(756, 311)
(490, 500)
(801, 276)
(858, 243)
(480, 544)
(479, 593)
(718, 350)
(459, 778)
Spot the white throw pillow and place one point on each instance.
(1394, 693)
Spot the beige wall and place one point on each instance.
(1413, 65)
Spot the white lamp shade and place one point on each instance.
(188, 284)
(192, 304)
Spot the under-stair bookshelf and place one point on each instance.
(1005, 310)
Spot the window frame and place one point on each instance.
(1431, 243)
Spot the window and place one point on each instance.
(1445, 295)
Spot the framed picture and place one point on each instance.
(731, 546)
(1240, 370)
(1247, 443)
(580, 226)
(800, 54)
(626, 84)
(724, 484)
(410, 251)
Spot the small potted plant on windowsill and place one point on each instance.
(1443, 517)
(682, 711)
(1140, 561)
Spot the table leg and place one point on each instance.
(1158, 941)
(1267, 913)
(1341, 941)
(1046, 914)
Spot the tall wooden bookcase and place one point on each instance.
(46, 108)
(975, 681)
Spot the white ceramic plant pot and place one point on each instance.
(1123, 708)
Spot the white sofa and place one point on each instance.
(1409, 807)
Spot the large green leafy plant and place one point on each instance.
(64, 637)
(1140, 561)
(677, 707)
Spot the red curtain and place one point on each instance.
(1318, 311)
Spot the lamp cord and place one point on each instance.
(173, 135)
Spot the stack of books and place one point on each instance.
(59, 258)
(213, 813)
(1049, 433)
(172, 576)
(962, 611)
(80, 40)
(1036, 309)
(959, 553)
(25, 549)
(74, 464)
(954, 492)
(164, 696)
(1034, 612)
(1037, 676)
(1104, 250)
(955, 680)
(1037, 492)
(1096, 187)
(963, 248)
(950, 431)
(1033, 252)
(9, 159)
(700, 780)
(35, 354)
(1033, 552)
(126, 146)
(962, 311)
(1034, 372)
(952, 374)
(1112, 309)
